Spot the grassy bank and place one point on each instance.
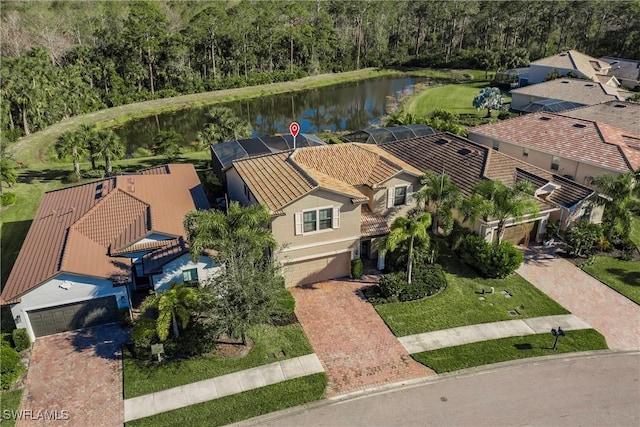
(32, 148)
(238, 407)
(623, 276)
(486, 352)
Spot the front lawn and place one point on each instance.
(142, 378)
(238, 407)
(483, 353)
(460, 304)
(9, 402)
(456, 98)
(623, 276)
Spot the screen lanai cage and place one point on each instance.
(390, 134)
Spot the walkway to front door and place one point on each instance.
(356, 348)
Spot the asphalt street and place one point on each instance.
(601, 389)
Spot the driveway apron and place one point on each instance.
(612, 314)
(355, 346)
(75, 379)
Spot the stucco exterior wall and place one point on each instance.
(538, 73)
(65, 289)
(380, 196)
(172, 272)
(521, 100)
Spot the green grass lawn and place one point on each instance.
(456, 98)
(249, 404)
(483, 353)
(623, 276)
(9, 401)
(143, 378)
(459, 304)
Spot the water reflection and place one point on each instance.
(341, 107)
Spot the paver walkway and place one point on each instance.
(612, 314)
(489, 331)
(225, 385)
(355, 346)
(77, 378)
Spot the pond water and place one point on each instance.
(342, 107)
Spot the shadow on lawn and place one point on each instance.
(629, 277)
(28, 176)
(13, 234)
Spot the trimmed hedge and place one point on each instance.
(489, 259)
(8, 198)
(357, 269)
(21, 339)
(426, 280)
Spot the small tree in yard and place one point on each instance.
(173, 305)
(489, 98)
(167, 143)
(411, 230)
(439, 190)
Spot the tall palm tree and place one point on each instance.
(223, 125)
(88, 134)
(174, 305)
(492, 200)
(443, 194)
(619, 191)
(211, 229)
(109, 147)
(71, 144)
(408, 229)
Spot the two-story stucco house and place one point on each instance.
(329, 203)
(90, 245)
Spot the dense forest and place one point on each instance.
(64, 58)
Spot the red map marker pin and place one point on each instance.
(294, 128)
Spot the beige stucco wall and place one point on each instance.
(380, 196)
(539, 73)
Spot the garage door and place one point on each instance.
(317, 270)
(521, 234)
(61, 318)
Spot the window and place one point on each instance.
(525, 152)
(555, 163)
(310, 221)
(190, 276)
(496, 145)
(325, 218)
(400, 196)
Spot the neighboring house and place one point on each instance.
(574, 148)
(467, 163)
(619, 114)
(90, 245)
(562, 94)
(570, 63)
(626, 71)
(329, 204)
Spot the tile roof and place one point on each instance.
(623, 115)
(372, 224)
(75, 228)
(575, 60)
(572, 90)
(153, 261)
(281, 178)
(581, 140)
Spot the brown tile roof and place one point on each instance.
(281, 178)
(74, 228)
(575, 60)
(575, 139)
(619, 114)
(573, 90)
(153, 261)
(372, 224)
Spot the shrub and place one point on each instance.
(284, 305)
(10, 367)
(392, 284)
(504, 260)
(8, 198)
(196, 339)
(71, 178)
(124, 317)
(93, 174)
(357, 268)
(488, 259)
(21, 339)
(582, 238)
(425, 281)
(143, 335)
(142, 152)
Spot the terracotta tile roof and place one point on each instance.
(75, 227)
(581, 140)
(575, 60)
(139, 247)
(619, 114)
(281, 178)
(372, 224)
(573, 90)
(153, 261)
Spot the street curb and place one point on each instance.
(478, 370)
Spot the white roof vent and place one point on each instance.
(548, 188)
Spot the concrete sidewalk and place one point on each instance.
(225, 385)
(489, 331)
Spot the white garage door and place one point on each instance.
(317, 270)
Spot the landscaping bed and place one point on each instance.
(238, 407)
(483, 353)
(271, 344)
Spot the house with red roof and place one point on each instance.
(90, 245)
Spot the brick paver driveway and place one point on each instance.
(355, 346)
(613, 315)
(79, 372)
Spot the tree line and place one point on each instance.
(64, 58)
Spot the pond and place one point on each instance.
(341, 107)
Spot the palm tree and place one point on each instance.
(223, 125)
(88, 134)
(109, 147)
(70, 144)
(408, 229)
(619, 191)
(211, 229)
(492, 200)
(174, 305)
(8, 172)
(443, 194)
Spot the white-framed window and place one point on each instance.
(316, 220)
(399, 195)
(555, 163)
